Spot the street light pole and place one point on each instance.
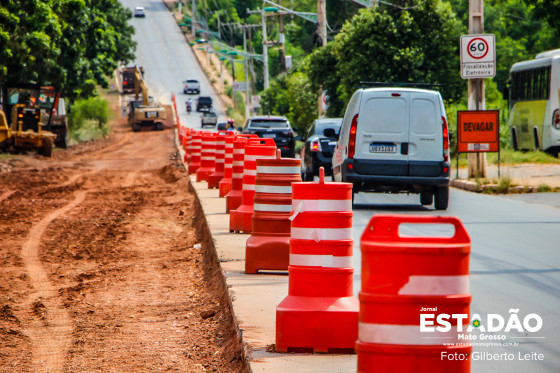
(193, 19)
(265, 51)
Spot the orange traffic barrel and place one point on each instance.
(241, 219)
(233, 198)
(218, 174)
(406, 279)
(225, 183)
(268, 248)
(188, 145)
(194, 163)
(207, 156)
(320, 312)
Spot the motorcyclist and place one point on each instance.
(230, 124)
(189, 105)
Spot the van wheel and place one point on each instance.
(442, 198)
(426, 198)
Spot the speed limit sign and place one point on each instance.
(478, 56)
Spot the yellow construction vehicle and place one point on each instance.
(23, 127)
(144, 111)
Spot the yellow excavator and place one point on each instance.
(144, 111)
(23, 127)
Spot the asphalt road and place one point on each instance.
(515, 259)
(168, 60)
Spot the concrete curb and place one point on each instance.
(472, 186)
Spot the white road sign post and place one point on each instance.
(478, 56)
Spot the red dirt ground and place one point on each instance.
(98, 267)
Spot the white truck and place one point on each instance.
(191, 86)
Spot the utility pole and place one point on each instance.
(193, 19)
(281, 40)
(477, 161)
(322, 33)
(265, 50)
(247, 98)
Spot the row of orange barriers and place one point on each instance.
(307, 229)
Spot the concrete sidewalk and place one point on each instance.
(521, 174)
(255, 298)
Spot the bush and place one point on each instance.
(88, 119)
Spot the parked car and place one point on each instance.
(318, 148)
(275, 127)
(139, 12)
(191, 86)
(395, 140)
(208, 119)
(203, 103)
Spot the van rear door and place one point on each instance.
(383, 134)
(425, 149)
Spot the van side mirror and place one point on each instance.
(330, 133)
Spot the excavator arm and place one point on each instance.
(140, 86)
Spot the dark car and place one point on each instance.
(319, 146)
(203, 103)
(274, 127)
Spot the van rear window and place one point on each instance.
(424, 120)
(384, 115)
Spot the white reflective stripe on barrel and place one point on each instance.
(321, 234)
(207, 158)
(249, 157)
(237, 163)
(404, 335)
(249, 172)
(238, 151)
(248, 186)
(322, 204)
(237, 175)
(210, 143)
(220, 151)
(272, 208)
(435, 285)
(274, 189)
(328, 261)
(278, 169)
(220, 161)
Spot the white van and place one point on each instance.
(395, 140)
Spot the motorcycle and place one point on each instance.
(189, 108)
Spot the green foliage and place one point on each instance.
(70, 44)
(88, 119)
(391, 45)
(303, 102)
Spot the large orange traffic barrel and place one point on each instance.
(188, 144)
(268, 248)
(218, 174)
(407, 278)
(241, 219)
(320, 312)
(207, 156)
(225, 183)
(194, 163)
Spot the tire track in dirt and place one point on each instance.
(51, 329)
(6, 195)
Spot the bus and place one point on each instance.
(534, 103)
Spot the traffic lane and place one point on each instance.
(514, 264)
(168, 59)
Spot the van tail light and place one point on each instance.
(556, 119)
(445, 140)
(352, 139)
(315, 146)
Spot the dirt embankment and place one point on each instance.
(101, 267)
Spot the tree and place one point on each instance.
(71, 44)
(391, 45)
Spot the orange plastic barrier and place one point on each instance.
(196, 146)
(269, 244)
(225, 183)
(240, 219)
(218, 174)
(233, 198)
(207, 156)
(400, 275)
(320, 312)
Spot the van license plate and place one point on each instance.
(271, 135)
(382, 148)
